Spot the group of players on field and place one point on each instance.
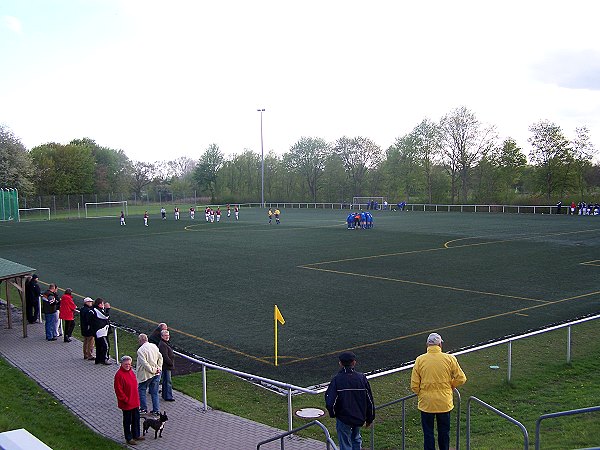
(359, 220)
(210, 214)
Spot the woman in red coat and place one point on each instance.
(67, 310)
(128, 400)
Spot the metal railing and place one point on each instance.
(508, 341)
(329, 441)
(498, 412)
(403, 422)
(559, 414)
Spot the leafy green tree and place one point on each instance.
(142, 175)
(307, 158)
(207, 169)
(16, 170)
(552, 158)
(510, 162)
(403, 167)
(358, 155)
(583, 155)
(465, 142)
(64, 169)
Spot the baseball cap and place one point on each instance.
(87, 299)
(347, 357)
(434, 339)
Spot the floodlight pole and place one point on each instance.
(262, 161)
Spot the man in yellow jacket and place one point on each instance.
(434, 375)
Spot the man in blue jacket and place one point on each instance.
(350, 401)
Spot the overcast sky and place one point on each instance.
(163, 79)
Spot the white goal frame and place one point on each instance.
(21, 219)
(92, 204)
(363, 202)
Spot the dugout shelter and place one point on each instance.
(14, 274)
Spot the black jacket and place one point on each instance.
(349, 398)
(49, 302)
(85, 319)
(167, 353)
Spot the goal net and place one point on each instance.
(368, 202)
(29, 214)
(105, 209)
(9, 204)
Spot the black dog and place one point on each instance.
(157, 424)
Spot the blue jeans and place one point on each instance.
(50, 325)
(167, 386)
(348, 436)
(443, 425)
(152, 386)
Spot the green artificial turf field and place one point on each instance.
(471, 277)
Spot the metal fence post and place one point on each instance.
(116, 343)
(509, 360)
(290, 412)
(569, 344)
(204, 400)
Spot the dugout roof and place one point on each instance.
(14, 274)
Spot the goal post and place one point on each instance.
(97, 210)
(368, 202)
(9, 204)
(29, 214)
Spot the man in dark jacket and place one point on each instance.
(350, 401)
(85, 320)
(32, 299)
(100, 325)
(164, 347)
(154, 337)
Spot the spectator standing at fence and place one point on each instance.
(128, 400)
(154, 337)
(434, 376)
(149, 365)
(349, 399)
(67, 313)
(85, 321)
(49, 303)
(57, 322)
(100, 325)
(167, 367)
(32, 299)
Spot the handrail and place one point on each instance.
(403, 400)
(559, 414)
(329, 441)
(498, 412)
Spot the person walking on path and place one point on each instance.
(434, 376)
(32, 299)
(167, 367)
(85, 321)
(128, 400)
(149, 364)
(349, 399)
(100, 325)
(67, 313)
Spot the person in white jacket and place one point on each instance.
(149, 364)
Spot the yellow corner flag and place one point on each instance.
(278, 318)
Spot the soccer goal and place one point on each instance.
(29, 214)
(368, 202)
(105, 209)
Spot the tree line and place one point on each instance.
(455, 160)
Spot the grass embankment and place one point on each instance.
(26, 405)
